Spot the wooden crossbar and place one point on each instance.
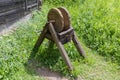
(50, 33)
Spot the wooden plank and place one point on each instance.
(40, 39)
(11, 11)
(5, 2)
(78, 45)
(17, 4)
(66, 36)
(67, 32)
(26, 3)
(10, 7)
(60, 46)
(2, 19)
(32, 5)
(5, 10)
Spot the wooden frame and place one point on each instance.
(50, 33)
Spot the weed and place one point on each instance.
(96, 22)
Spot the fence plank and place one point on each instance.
(14, 7)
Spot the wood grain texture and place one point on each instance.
(60, 46)
(78, 45)
(55, 14)
(66, 17)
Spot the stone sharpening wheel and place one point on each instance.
(58, 29)
(61, 18)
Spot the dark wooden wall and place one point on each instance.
(14, 9)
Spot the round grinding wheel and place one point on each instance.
(66, 17)
(56, 15)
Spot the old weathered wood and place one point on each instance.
(66, 36)
(60, 46)
(5, 2)
(41, 38)
(11, 12)
(60, 37)
(55, 14)
(17, 9)
(26, 5)
(66, 32)
(66, 17)
(78, 45)
(10, 5)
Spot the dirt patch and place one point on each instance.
(49, 75)
(43, 72)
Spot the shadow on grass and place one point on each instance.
(38, 59)
(42, 61)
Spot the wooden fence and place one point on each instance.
(13, 9)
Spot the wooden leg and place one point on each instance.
(40, 39)
(78, 45)
(60, 46)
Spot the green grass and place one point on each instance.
(97, 23)
(16, 57)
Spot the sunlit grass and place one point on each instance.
(16, 48)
